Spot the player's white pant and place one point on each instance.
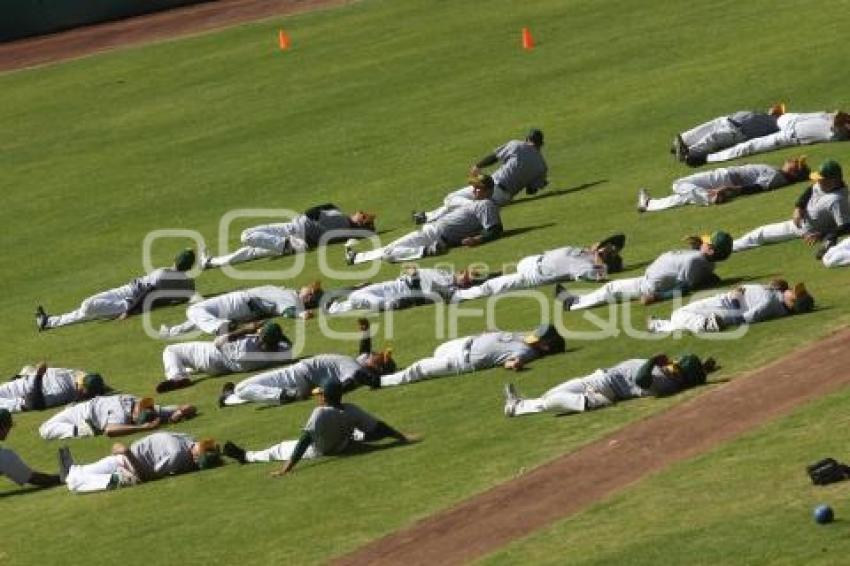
(415, 245)
(181, 360)
(527, 275)
(769, 234)
(12, 404)
(461, 196)
(279, 453)
(777, 140)
(450, 358)
(685, 192)
(838, 255)
(711, 136)
(64, 424)
(98, 475)
(109, 304)
(573, 396)
(268, 386)
(375, 297)
(267, 240)
(619, 289)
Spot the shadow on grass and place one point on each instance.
(25, 491)
(519, 231)
(559, 192)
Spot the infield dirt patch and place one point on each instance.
(150, 27)
(565, 486)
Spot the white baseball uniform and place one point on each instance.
(838, 255)
(727, 131)
(824, 213)
(465, 355)
(302, 233)
(59, 386)
(215, 315)
(694, 189)
(296, 381)
(561, 264)
(93, 416)
(747, 304)
(124, 299)
(601, 388)
(521, 167)
(13, 467)
(332, 430)
(158, 455)
(467, 219)
(238, 356)
(423, 285)
(794, 129)
(680, 270)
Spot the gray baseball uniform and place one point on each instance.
(601, 388)
(825, 212)
(331, 428)
(747, 304)
(674, 271)
(215, 315)
(59, 386)
(694, 189)
(794, 129)
(297, 380)
(562, 264)
(468, 219)
(727, 131)
(425, 285)
(127, 298)
(13, 467)
(465, 355)
(93, 416)
(238, 356)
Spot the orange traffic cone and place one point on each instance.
(527, 40)
(283, 40)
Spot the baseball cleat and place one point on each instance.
(695, 160)
(681, 149)
(564, 296)
(713, 324)
(65, 463)
(651, 324)
(286, 247)
(205, 260)
(226, 391)
(40, 318)
(419, 218)
(232, 451)
(643, 200)
(350, 256)
(172, 384)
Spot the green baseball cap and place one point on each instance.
(93, 383)
(5, 418)
(691, 369)
(829, 169)
(271, 334)
(184, 260)
(722, 244)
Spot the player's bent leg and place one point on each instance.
(767, 234)
(838, 255)
(243, 254)
(619, 289)
(665, 203)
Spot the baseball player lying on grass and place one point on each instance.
(511, 350)
(295, 382)
(222, 314)
(838, 255)
(746, 304)
(256, 346)
(821, 214)
(693, 145)
(323, 224)
(672, 273)
(658, 376)
(562, 264)
(521, 166)
(150, 458)
(41, 387)
(470, 223)
(333, 428)
(794, 129)
(120, 302)
(11, 464)
(722, 185)
(415, 286)
(112, 415)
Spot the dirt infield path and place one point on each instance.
(160, 25)
(567, 485)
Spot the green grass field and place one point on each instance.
(384, 105)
